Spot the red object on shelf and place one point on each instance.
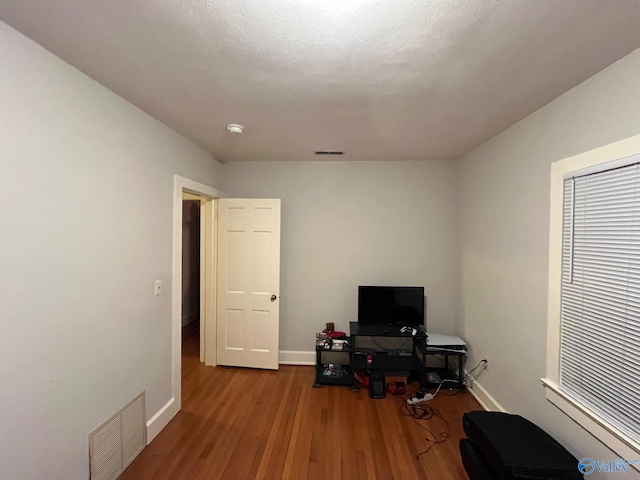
(336, 334)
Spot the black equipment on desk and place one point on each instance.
(378, 305)
(377, 386)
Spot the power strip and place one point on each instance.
(419, 398)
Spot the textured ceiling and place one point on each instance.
(380, 79)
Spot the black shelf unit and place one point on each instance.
(333, 367)
(410, 360)
(413, 360)
(386, 361)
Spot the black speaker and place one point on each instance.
(377, 386)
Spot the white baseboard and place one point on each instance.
(484, 398)
(290, 357)
(161, 419)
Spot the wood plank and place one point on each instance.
(243, 423)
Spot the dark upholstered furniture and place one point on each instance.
(502, 446)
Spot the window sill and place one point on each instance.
(599, 428)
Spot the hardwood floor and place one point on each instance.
(245, 424)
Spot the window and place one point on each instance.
(593, 364)
(600, 298)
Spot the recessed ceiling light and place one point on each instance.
(235, 128)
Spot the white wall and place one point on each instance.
(86, 191)
(346, 224)
(504, 238)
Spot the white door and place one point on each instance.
(248, 282)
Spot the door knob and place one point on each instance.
(274, 298)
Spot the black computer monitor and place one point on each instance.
(379, 305)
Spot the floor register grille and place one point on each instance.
(118, 441)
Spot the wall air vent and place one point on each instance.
(329, 152)
(118, 441)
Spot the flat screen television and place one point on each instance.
(390, 305)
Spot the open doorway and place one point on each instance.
(207, 294)
(192, 272)
(211, 199)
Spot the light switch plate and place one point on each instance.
(157, 288)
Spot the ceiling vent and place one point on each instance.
(329, 152)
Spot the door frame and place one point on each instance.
(207, 294)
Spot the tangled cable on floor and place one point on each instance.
(421, 414)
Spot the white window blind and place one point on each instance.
(600, 317)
